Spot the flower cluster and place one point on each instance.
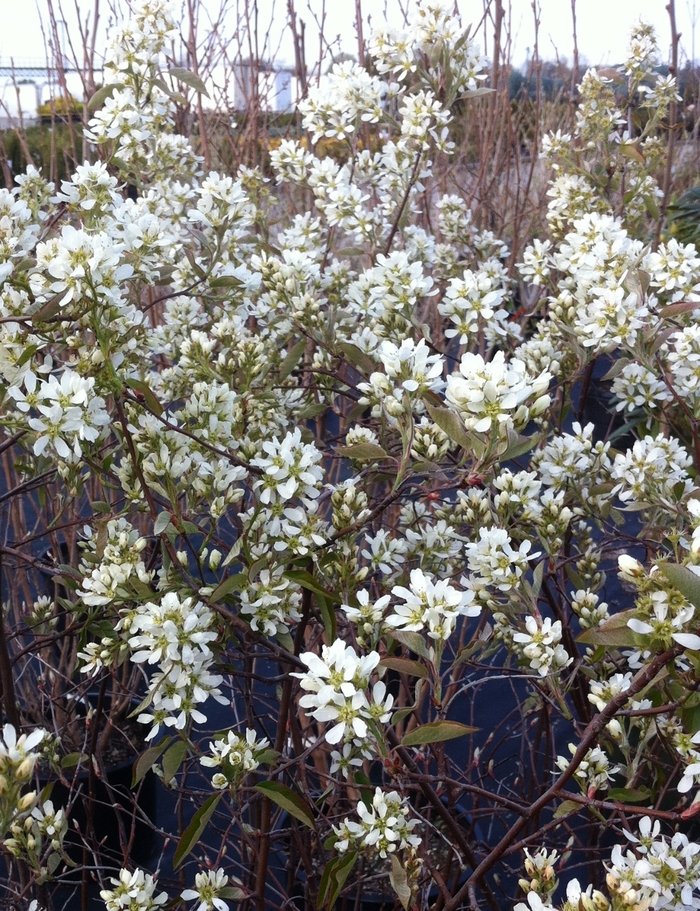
(384, 826)
(175, 634)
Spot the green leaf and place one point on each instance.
(101, 95)
(232, 583)
(194, 830)
(311, 411)
(476, 93)
(404, 666)
(566, 807)
(451, 423)
(149, 398)
(537, 579)
(632, 150)
(286, 798)
(333, 878)
(48, 309)
(684, 579)
(161, 523)
(294, 355)
(172, 760)
(614, 633)
(363, 362)
(678, 309)
(691, 719)
(437, 732)
(328, 617)
(405, 712)
(235, 892)
(363, 452)
(146, 760)
(71, 760)
(630, 795)
(518, 446)
(225, 281)
(306, 580)
(399, 882)
(189, 78)
(412, 641)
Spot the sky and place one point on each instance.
(603, 25)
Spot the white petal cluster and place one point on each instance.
(271, 602)
(69, 413)
(540, 644)
(649, 471)
(429, 605)
(174, 633)
(384, 826)
(210, 888)
(348, 97)
(494, 560)
(336, 687)
(133, 891)
(289, 468)
(434, 35)
(594, 772)
(667, 875)
(234, 756)
(494, 396)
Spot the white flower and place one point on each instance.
(493, 558)
(384, 826)
(288, 467)
(493, 395)
(435, 605)
(134, 891)
(664, 624)
(207, 887)
(540, 645)
(235, 756)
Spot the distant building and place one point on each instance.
(271, 86)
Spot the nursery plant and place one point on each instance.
(375, 540)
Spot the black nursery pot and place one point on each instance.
(103, 811)
(102, 808)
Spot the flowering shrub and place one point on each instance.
(319, 468)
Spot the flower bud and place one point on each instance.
(25, 770)
(26, 801)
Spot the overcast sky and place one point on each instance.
(603, 25)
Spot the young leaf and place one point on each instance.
(231, 583)
(358, 358)
(101, 95)
(148, 396)
(161, 523)
(334, 877)
(451, 423)
(172, 760)
(684, 579)
(614, 633)
(146, 760)
(286, 798)
(630, 795)
(194, 830)
(363, 452)
(306, 580)
(294, 355)
(189, 78)
(566, 807)
(436, 732)
(399, 882)
(404, 666)
(412, 641)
